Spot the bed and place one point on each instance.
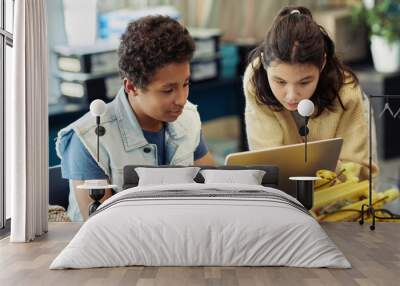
(201, 224)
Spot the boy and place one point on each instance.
(150, 121)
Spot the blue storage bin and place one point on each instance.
(229, 60)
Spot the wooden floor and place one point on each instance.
(374, 255)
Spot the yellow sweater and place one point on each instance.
(267, 128)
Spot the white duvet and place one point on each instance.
(265, 229)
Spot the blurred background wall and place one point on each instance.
(83, 37)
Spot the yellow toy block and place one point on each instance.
(351, 211)
(347, 190)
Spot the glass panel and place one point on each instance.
(2, 175)
(1, 14)
(9, 15)
(7, 97)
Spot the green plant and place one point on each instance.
(383, 19)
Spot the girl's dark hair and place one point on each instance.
(150, 43)
(296, 38)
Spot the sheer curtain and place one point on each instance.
(239, 20)
(27, 123)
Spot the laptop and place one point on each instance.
(321, 154)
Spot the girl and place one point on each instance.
(297, 61)
(150, 122)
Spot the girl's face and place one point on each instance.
(291, 83)
(164, 97)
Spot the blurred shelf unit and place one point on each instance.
(88, 72)
(98, 58)
(84, 88)
(205, 68)
(206, 62)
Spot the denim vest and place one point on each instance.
(124, 143)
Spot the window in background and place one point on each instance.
(8, 74)
(9, 11)
(6, 43)
(2, 205)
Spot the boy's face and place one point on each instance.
(165, 96)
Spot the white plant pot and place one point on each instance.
(386, 57)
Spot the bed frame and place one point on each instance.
(270, 178)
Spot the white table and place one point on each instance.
(305, 190)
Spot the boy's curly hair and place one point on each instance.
(151, 43)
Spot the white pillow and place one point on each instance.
(162, 176)
(248, 177)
